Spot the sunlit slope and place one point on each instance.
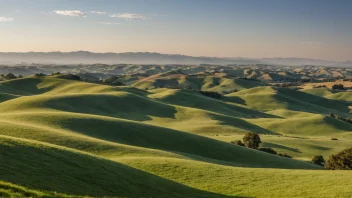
(317, 125)
(8, 189)
(207, 115)
(46, 167)
(327, 93)
(71, 124)
(139, 135)
(269, 98)
(197, 82)
(249, 182)
(297, 147)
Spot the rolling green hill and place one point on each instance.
(62, 137)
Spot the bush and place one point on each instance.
(319, 160)
(334, 139)
(39, 74)
(338, 86)
(268, 150)
(10, 76)
(284, 155)
(252, 140)
(340, 161)
(238, 142)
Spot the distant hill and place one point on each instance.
(85, 57)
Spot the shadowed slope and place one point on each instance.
(67, 171)
(142, 135)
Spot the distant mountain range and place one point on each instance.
(85, 57)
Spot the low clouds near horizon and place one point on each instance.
(129, 16)
(75, 13)
(6, 19)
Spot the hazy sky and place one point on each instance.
(225, 28)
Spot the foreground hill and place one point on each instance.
(98, 140)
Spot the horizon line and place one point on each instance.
(177, 54)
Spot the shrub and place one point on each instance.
(334, 139)
(39, 74)
(338, 86)
(284, 155)
(238, 142)
(268, 150)
(10, 76)
(340, 161)
(252, 140)
(319, 160)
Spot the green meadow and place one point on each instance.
(67, 138)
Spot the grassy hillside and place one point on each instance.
(68, 171)
(204, 82)
(98, 140)
(248, 182)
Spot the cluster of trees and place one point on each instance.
(338, 86)
(252, 140)
(348, 120)
(339, 161)
(39, 74)
(10, 76)
(211, 94)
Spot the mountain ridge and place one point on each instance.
(86, 57)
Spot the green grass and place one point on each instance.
(51, 168)
(96, 140)
(249, 182)
(298, 148)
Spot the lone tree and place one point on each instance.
(340, 161)
(252, 140)
(319, 160)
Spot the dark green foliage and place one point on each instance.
(268, 150)
(346, 119)
(252, 140)
(238, 142)
(113, 80)
(338, 86)
(10, 76)
(39, 75)
(210, 94)
(340, 161)
(56, 73)
(319, 160)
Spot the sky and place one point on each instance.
(318, 29)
